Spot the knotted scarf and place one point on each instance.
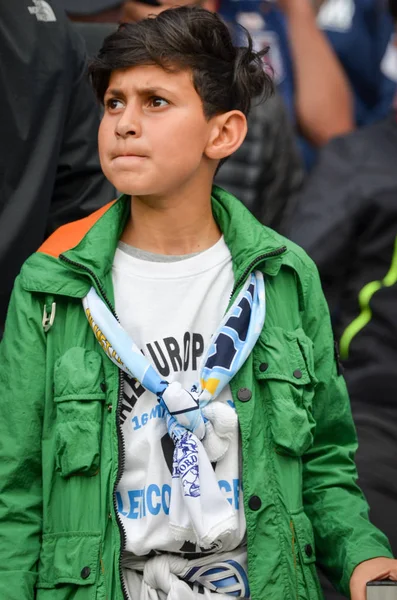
(199, 512)
(169, 575)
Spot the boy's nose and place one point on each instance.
(125, 130)
(128, 125)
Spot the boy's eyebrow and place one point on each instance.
(141, 91)
(114, 92)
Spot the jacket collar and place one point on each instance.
(246, 237)
(64, 263)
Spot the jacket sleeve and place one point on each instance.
(334, 503)
(22, 387)
(80, 187)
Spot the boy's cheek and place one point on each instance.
(105, 166)
(103, 139)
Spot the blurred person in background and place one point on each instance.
(94, 20)
(322, 96)
(346, 219)
(49, 165)
(99, 11)
(360, 32)
(119, 11)
(135, 10)
(308, 74)
(315, 91)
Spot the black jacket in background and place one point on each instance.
(266, 171)
(49, 166)
(346, 215)
(346, 219)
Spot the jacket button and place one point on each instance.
(110, 407)
(254, 503)
(308, 550)
(244, 394)
(263, 367)
(103, 386)
(85, 572)
(298, 374)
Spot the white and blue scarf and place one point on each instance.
(200, 426)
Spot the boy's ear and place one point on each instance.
(226, 135)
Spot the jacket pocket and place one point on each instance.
(283, 363)
(79, 393)
(69, 566)
(308, 586)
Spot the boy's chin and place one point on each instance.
(140, 192)
(136, 189)
(143, 189)
(132, 184)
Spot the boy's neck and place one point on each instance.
(173, 225)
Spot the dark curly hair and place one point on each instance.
(225, 77)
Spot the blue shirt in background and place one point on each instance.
(360, 36)
(358, 30)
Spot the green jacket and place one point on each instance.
(61, 453)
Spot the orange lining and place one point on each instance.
(69, 235)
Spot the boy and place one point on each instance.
(101, 420)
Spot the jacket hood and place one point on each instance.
(63, 263)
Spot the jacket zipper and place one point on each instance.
(120, 436)
(253, 264)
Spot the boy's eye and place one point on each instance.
(158, 102)
(113, 104)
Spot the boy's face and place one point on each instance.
(153, 134)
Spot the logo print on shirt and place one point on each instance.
(43, 11)
(226, 577)
(168, 357)
(186, 465)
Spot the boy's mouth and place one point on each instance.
(128, 158)
(129, 155)
(128, 161)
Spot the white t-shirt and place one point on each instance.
(170, 309)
